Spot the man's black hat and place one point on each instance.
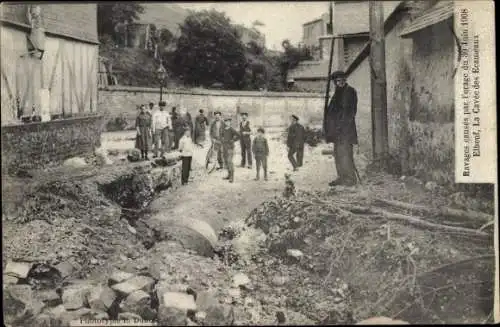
(295, 117)
(201, 111)
(217, 113)
(162, 104)
(227, 118)
(337, 74)
(261, 130)
(244, 114)
(151, 104)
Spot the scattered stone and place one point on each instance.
(49, 297)
(280, 317)
(240, 279)
(65, 269)
(119, 276)
(235, 293)
(128, 316)
(431, 186)
(206, 299)
(219, 315)
(45, 320)
(131, 229)
(8, 280)
(200, 316)
(74, 296)
(101, 298)
(138, 302)
(56, 312)
(189, 322)
(98, 315)
(75, 162)
(102, 156)
(19, 304)
(297, 254)
(279, 280)
(382, 321)
(164, 286)
(18, 269)
(178, 300)
(169, 316)
(133, 284)
(134, 155)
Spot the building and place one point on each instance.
(311, 33)
(251, 35)
(420, 65)
(350, 32)
(49, 66)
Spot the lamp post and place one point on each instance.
(161, 73)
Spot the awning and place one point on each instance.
(438, 13)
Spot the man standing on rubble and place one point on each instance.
(340, 129)
(295, 142)
(245, 141)
(228, 136)
(215, 135)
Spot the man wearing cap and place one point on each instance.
(340, 129)
(245, 141)
(161, 126)
(215, 134)
(295, 141)
(151, 108)
(228, 136)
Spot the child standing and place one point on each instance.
(260, 152)
(186, 147)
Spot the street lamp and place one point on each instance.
(161, 74)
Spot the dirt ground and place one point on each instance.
(304, 296)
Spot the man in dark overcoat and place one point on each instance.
(295, 142)
(340, 129)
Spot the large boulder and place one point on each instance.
(17, 269)
(178, 300)
(169, 316)
(133, 284)
(75, 296)
(75, 162)
(101, 298)
(119, 276)
(20, 305)
(134, 155)
(219, 315)
(138, 302)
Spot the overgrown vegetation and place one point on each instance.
(209, 52)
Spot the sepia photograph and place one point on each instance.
(249, 163)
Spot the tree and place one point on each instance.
(111, 14)
(209, 51)
(291, 57)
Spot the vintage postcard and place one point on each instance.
(249, 163)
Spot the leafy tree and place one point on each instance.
(209, 51)
(291, 57)
(111, 14)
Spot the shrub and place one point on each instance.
(119, 123)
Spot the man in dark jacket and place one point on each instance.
(245, 142)
(228, 136)
(295, 141)
(340, 129)
(200, 125)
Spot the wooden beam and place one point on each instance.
(378, 84)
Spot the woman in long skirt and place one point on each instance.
(143, 140)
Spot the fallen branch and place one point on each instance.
(486, 225)
(445, 211)
(487, 256)
(422, 223)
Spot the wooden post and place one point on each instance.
(328, 81)
(380, 137)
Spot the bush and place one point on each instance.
(119, 123)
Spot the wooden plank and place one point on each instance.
(54, 67)
(90, 76)
(72, 90)
(6, 82)
(29, 82)
(63, 72)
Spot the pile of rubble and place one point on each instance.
(125, 296)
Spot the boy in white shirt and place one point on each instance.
(186, 148)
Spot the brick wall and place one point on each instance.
(77, 21)
(270, 110)
(38, 144)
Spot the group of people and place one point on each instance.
(168, 131)
(163, 131)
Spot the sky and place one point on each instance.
(283, 20)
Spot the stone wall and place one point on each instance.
(270, 109)
(35, 145)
